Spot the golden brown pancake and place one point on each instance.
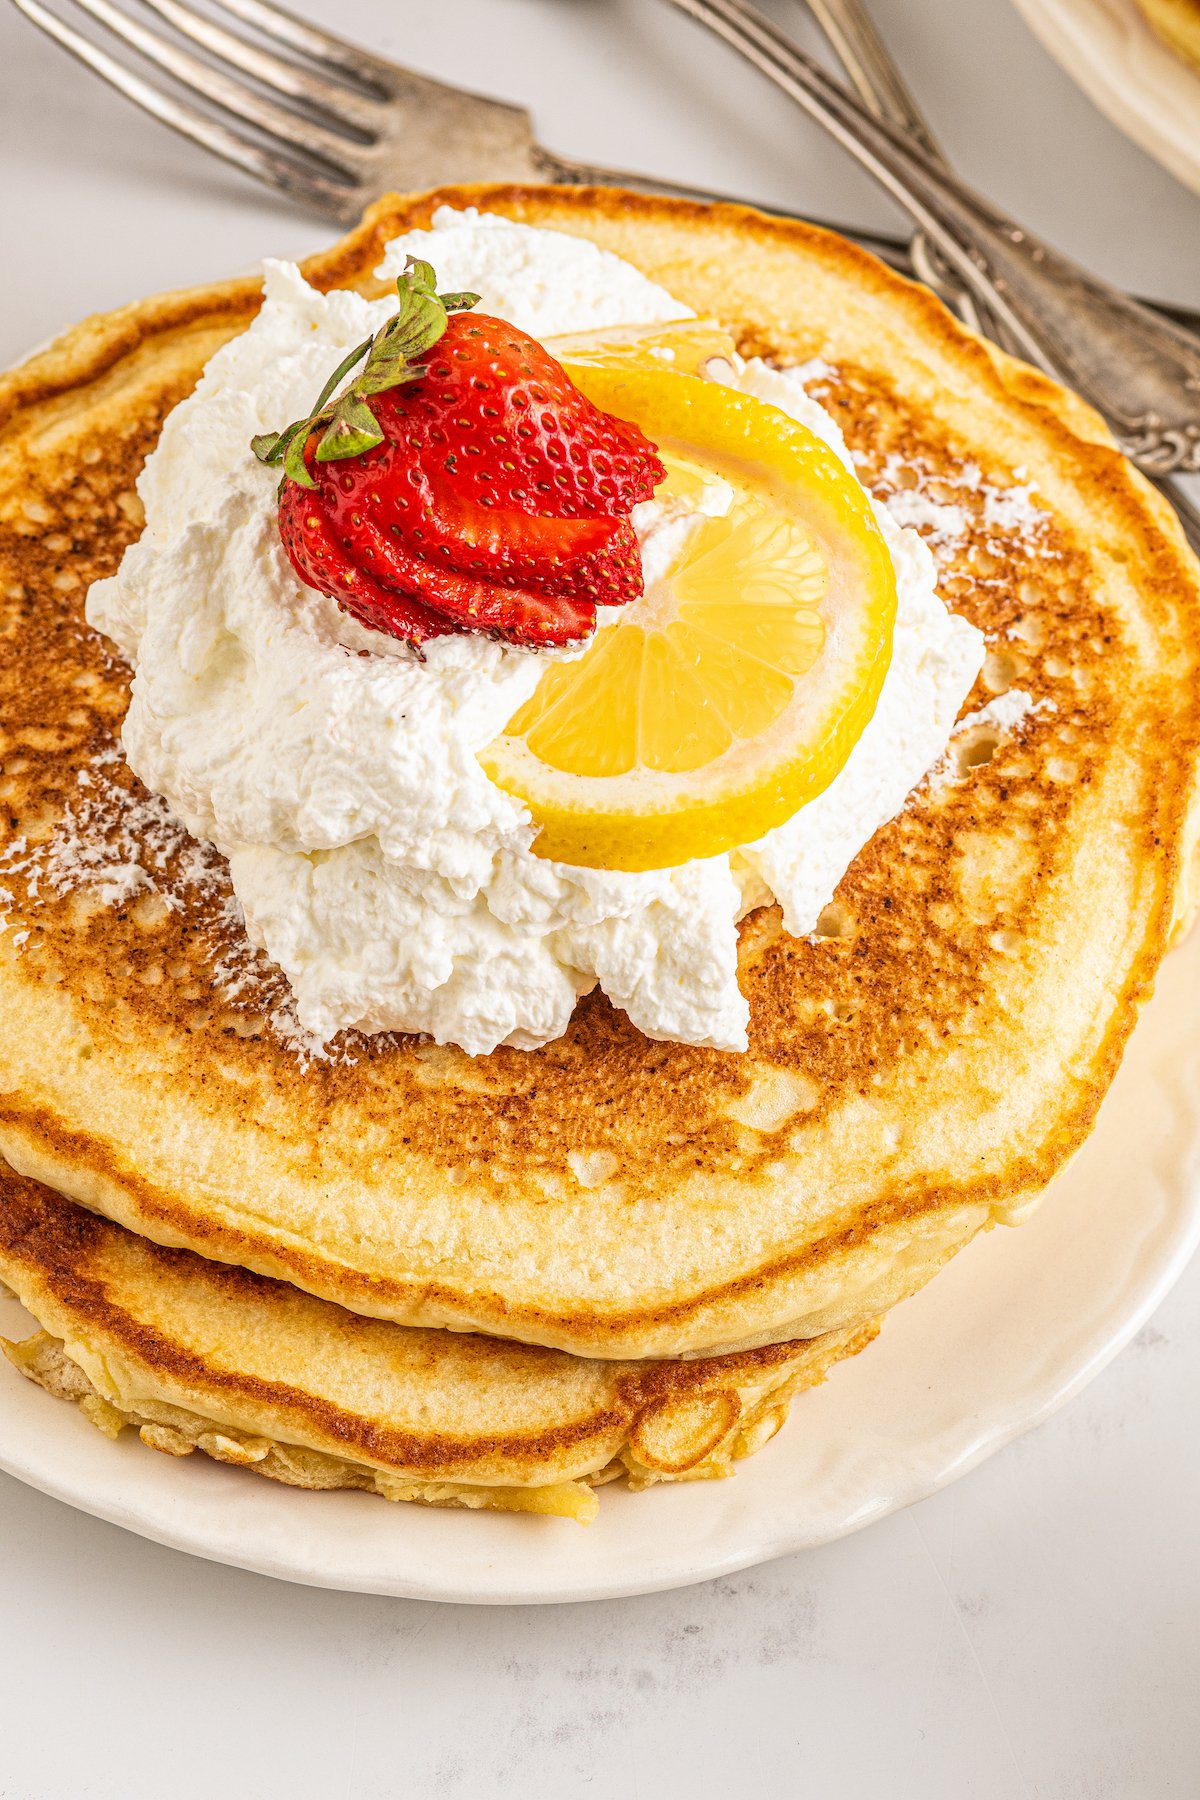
(918, 1069)
(196, 1355)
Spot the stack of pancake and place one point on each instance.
(503, 1281)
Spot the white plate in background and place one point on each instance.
(1147, 91)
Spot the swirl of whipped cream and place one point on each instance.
(373, 858)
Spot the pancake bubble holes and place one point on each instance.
(975, 747)
(836, 921)
(775, 1096)
(842, 1012)
(1002, 670)
(592, 1168)
(150, 911)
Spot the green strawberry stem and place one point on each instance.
(392, 358)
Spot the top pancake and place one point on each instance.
(917, 1071)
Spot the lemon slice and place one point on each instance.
(682, 345)
(731, 694)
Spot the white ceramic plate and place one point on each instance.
(1150, 94)
(1012, 1328)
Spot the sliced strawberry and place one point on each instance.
(435, 522)
(322, 563)
(611, 576)
(522, 614)
(474, 490)
(498, 416)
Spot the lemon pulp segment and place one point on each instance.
(710, 710)
(682, 345)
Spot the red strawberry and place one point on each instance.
(377, 580)
(479, 491)
(608, 577)
(430, 515)
(504, 423)
(320, 563)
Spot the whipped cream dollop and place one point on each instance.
(374, 860)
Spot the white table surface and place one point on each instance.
(1035, 1630)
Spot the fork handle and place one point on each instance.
(888, 246)
(874, 76)
(847, 27)
(1141, 373)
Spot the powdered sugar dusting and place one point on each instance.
(1012, 509)
(1006, 712)
(978, 734)
(947, 505)
(815, 370)
(940, 521)
(107, 842)
(119, 844)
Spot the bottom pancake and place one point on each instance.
(198, 1355)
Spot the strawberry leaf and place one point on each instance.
(267, 446)
(388, 372)
(343, 368)
(392, 358)
(293, 463)
(419, 276)
(351, 430)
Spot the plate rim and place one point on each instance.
(985, 1446)
(149, 1495)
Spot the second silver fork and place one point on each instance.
(333, 131)
(1138, 370)
(870, 68)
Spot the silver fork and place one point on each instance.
(343, 126)
(333, 135)
(1140, 371)
(339, 128)
(875, 78)
(336, 134)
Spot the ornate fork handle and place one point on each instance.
(1140, 372)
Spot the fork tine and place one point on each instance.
(233, 96)
(319, 46)
(306, 185)
(332, 98)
